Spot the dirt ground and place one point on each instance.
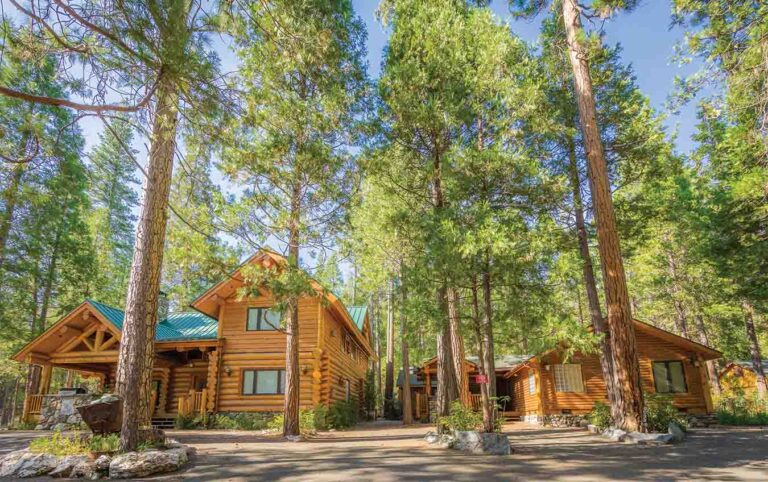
(389, 452)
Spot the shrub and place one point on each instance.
(738, 409)
(600, 416)
(310, 421)
(58, 444)
(104, 443)
(28, 425)
(187, 421)
(659, 412)
(240, 421)
(462, 418)
(342, 414)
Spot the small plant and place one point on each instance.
(461, 418)
(659, 413)
(600, 416)
(24, 426)
(738, 409)
(104, 443)
(310, 421)
(187, 421)
(342, 414)
(239, 421)
(144, 446)
(58, 444)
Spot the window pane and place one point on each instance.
(248, 382)
(282, 381)
(253, 319)
(266, 382)
(677, 376)
(660, 377)
(271, 320)
(532, 383)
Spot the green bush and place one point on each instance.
(310, 421)
(24, 426)
(659, 412)
(104, 443)
(240, 421)
(187, 421)
(600, 416)
(738, 409)
(58, 444)
(462, 418)
(342, 414)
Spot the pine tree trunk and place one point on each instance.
(710, 364)
(407, 409)
(377, 361)
(627, 402)
(754, 348)
(389, 380)
(588, 273)
(50, 276)
(675, 292)
(489, 357)
(136, 356)
(447, 391)
(457, 348)
(292, 380)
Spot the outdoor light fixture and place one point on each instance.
(228, 371)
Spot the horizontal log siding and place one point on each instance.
(262, 350)
(524, 402)
(650, 349)
(341, 366)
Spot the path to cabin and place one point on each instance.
(388, 452)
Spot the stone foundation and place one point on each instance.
(59, 412)
(556, 420)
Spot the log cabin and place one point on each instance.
(227, 355)
(740, 378)
(551, 389)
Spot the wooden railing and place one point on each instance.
(35, 404)
(194, 402)
(477, 401)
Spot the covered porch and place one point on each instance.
(87, 342)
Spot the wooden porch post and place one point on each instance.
(45, 379)
(705, 386)
(31, 387)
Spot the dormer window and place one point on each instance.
(263, 319)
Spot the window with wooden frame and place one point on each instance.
(348, 343)
(531, 383)
(669, 377)
(262, 319)
(263, 382)
(568, 378)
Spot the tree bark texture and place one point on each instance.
(407, 409)
(292, 379)
(588, 272)
(754, 348)
(447, 391)
(136, 356)
(457, 348)
(488, 354)
(389, 378)
(627, 406)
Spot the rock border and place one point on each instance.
(674, 434)
(479, 443)
(130, 465)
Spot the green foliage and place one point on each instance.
(739, 409)
(462, 418)
(104, 443)
(343, 414)
(239, 421)
(310, 420)
(660, 412)
(188, 421)
(369, 392)
(60, 445)
(600, 416)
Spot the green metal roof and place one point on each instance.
(191, 325)
(358, 315)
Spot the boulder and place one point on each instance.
(677, 432)
(85, 470)
(23, 463)
(294, 438)
(593, 428)
(446, 441)
(482, 443)
(431, 437)
(102, 463)
(67, 465)
(648, 438)
(614, 434)
(141, 464)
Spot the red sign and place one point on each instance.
(481, 378)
